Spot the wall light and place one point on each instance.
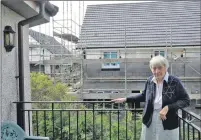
(8, 38)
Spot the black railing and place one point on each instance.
(96, 120)
(83, 120)
(190, 125)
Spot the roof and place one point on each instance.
(29, 9)
(48, 42)
(146, 24)
(68, 37)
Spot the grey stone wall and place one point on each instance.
(133, 69)
(141, 70)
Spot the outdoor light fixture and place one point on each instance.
(8, 38)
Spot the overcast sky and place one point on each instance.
(74, 11)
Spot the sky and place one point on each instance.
(73, 12)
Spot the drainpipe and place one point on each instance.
(20, 106)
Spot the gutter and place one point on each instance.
(43, 9)
(14, 5)
(51, 9)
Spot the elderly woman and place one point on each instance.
(163, 95)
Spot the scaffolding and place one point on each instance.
(69, 63)
(53, 47)
(66, 29)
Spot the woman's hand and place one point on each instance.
(119, 100)
(163, 113)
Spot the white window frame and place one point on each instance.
(110, 66)
(159, 52)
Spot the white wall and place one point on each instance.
(36, 54)
(0, 67)
(144, 52)
(47, 69)
(9, 67)
(94, 54)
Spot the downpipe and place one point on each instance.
(21, 106)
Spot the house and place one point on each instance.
(48, 47)
(16, 19)
(46, 55)
(118, 40)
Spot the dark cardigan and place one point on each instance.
(174, 96)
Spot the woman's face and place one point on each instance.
(158, 72)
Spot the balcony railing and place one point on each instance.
(95, 120)
(190, 125)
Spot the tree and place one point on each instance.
(44, 89)
(80, 122)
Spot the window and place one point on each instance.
(162, 53)
(100, 92)
(116, 92)
(135, 91)
(110, 55)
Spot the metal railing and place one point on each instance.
(95, 120)
(190, 125)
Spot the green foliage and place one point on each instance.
(78, 123)
(92, 126)
(44, 89)
(187, 132)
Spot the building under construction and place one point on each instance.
(104, 53)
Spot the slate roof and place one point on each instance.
(48, 42)
(147, 24)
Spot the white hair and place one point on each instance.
(158, 61)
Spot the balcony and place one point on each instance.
(96, 120)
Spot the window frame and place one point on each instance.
(110, 65)
(159, 52)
